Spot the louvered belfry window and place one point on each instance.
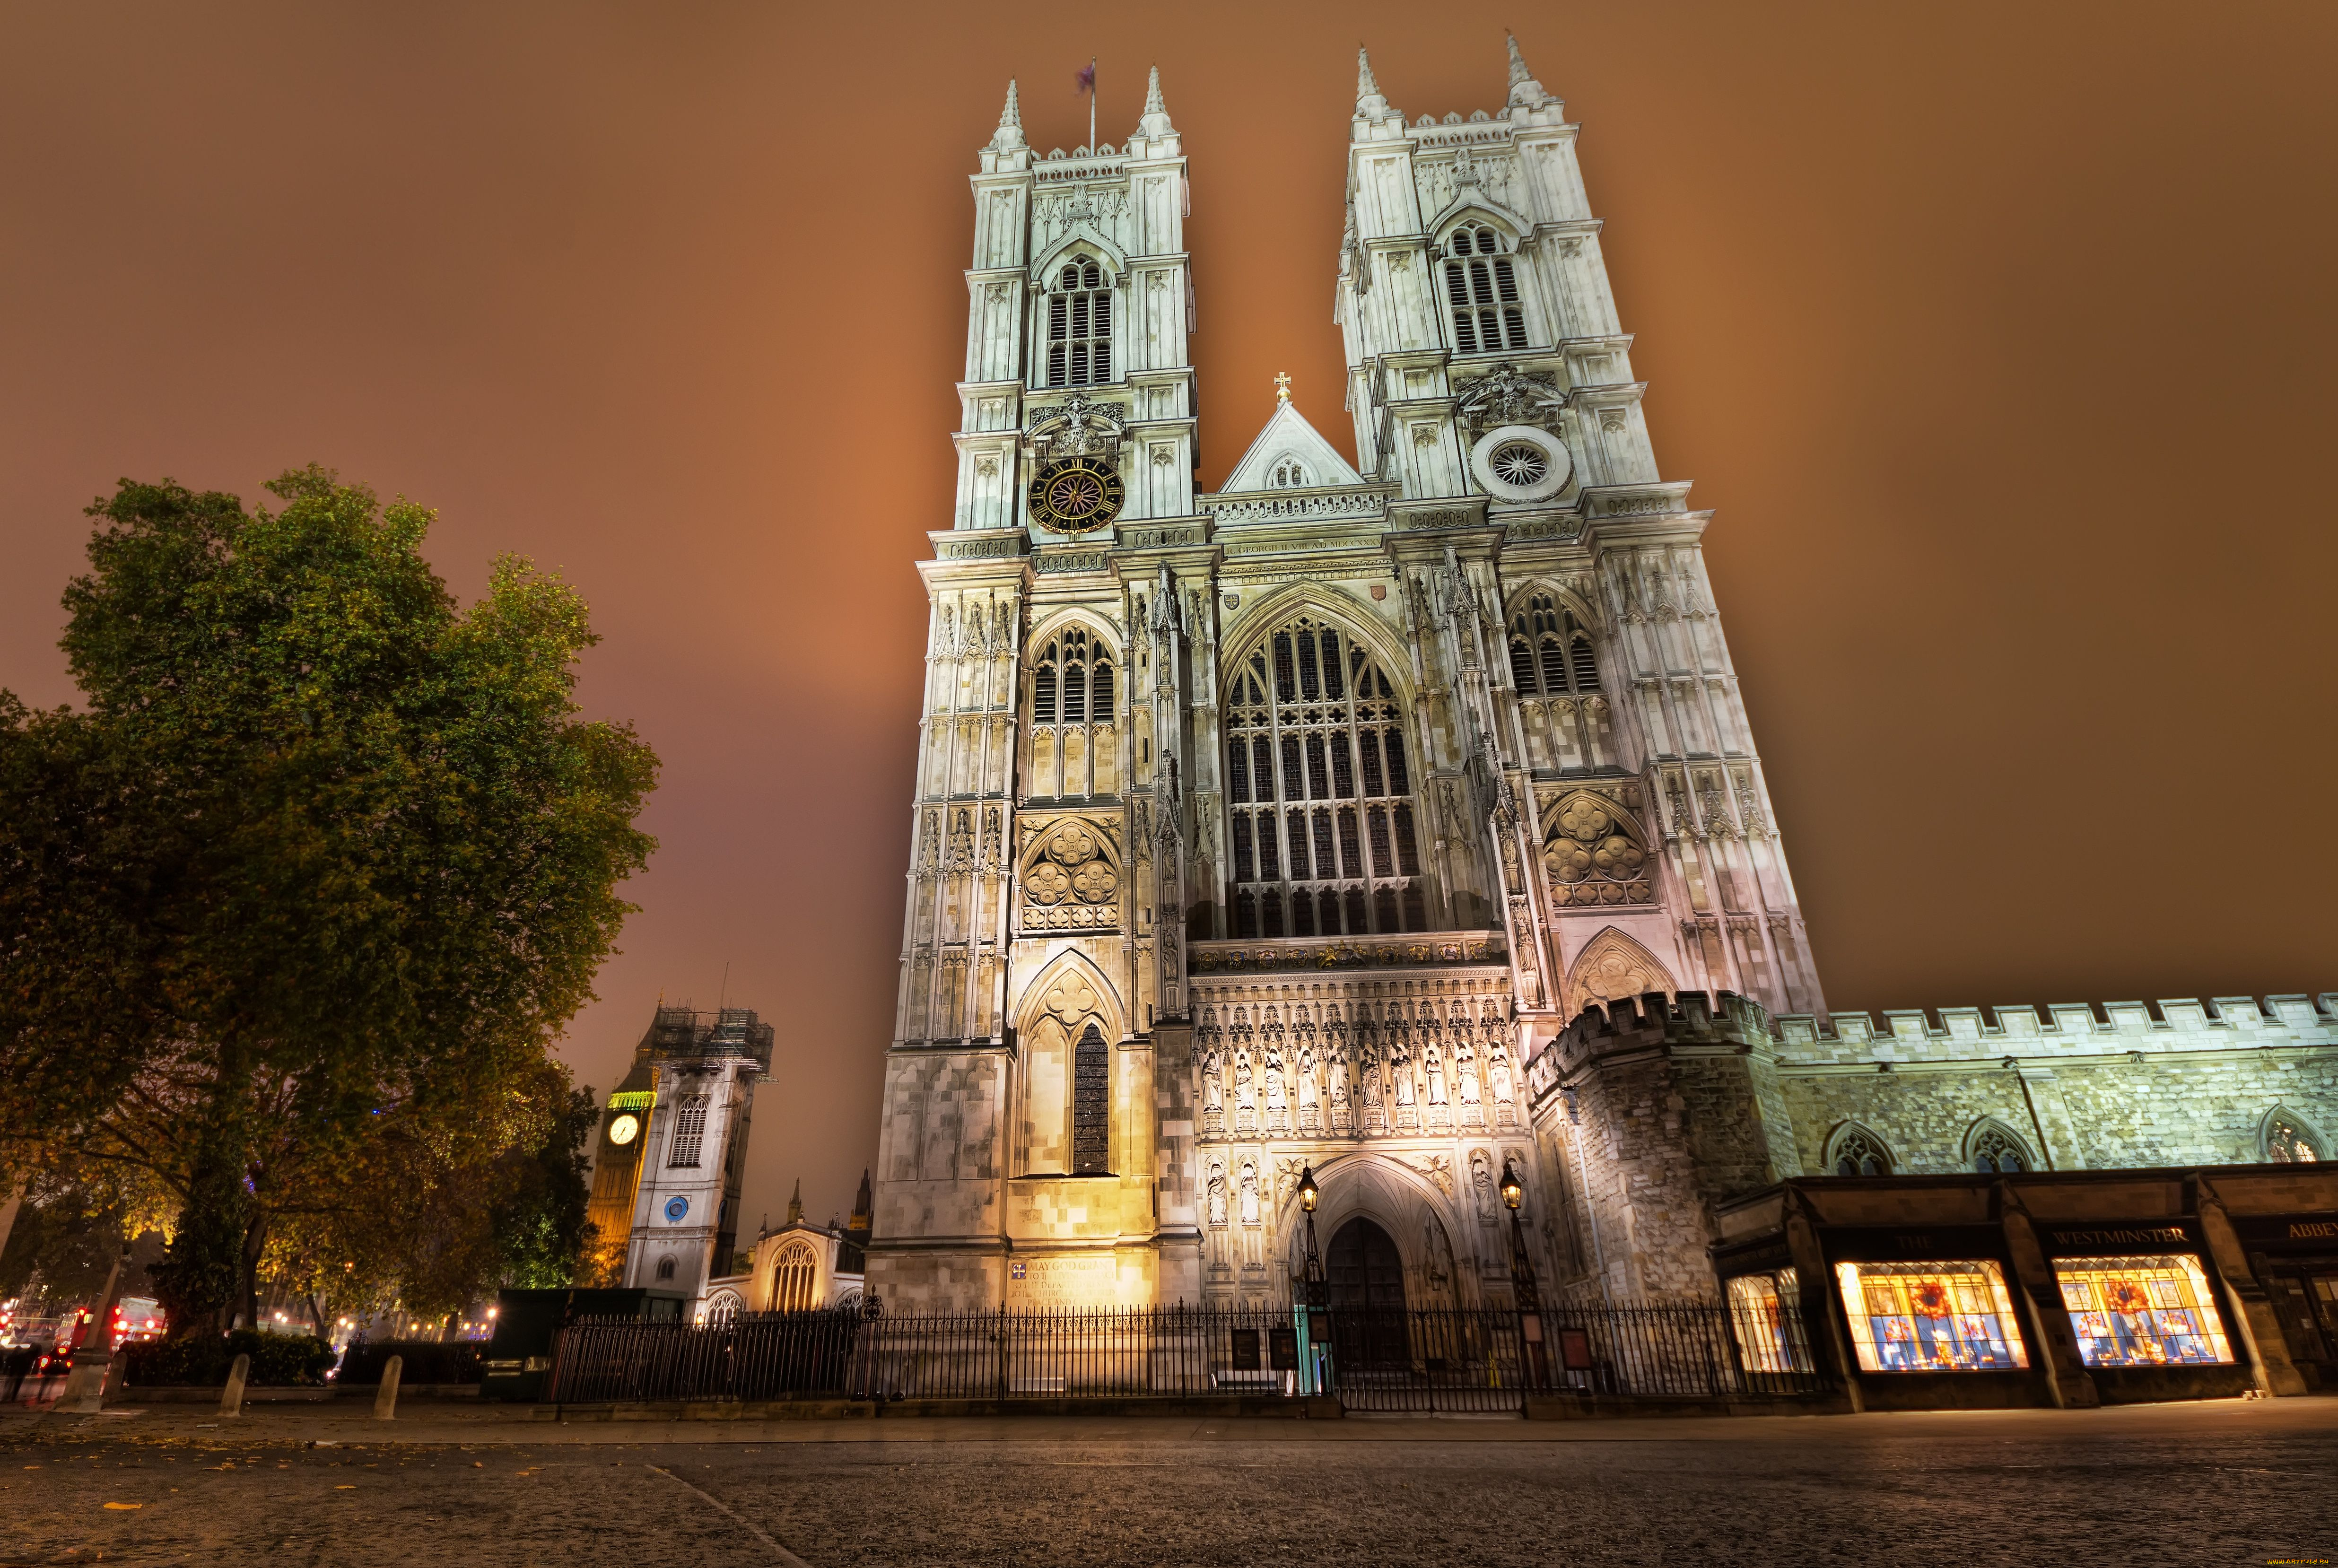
(1550, 653)
(1091, 1105)
(1481, 285)
(1079, 327)
(1074, 717)
(1318, 789)
(689, 1130)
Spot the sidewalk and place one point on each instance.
(461, 1423)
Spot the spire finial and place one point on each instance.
(1009, 134)
(1156, 112)
(1526, 93)
(1282, 387)
(1369, 101)
(795, 1203)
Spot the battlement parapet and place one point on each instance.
(2074, 1029)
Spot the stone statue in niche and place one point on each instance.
(1400, 1070)
(1497, 1068)
(1481, 1182)
(1307, 1095)
(1217, 1193)
(1245, 1093)
(1276, 1099)
(1214, 1080)
(1465, 1073)
(1249, 1193)
(1339, 1079)
(1433, 1064)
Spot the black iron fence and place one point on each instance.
(1370, 1358)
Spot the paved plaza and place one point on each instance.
(2235, 1482)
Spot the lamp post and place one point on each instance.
(1313, 1289)
(1523, 1288)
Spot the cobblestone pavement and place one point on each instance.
(2236, 1484)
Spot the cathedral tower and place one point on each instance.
(1277, 828)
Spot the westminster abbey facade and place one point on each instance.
(1325, 820)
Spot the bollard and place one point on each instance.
(385, 1398)
(231, 1397)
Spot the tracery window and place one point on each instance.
(1594, 854)
(1481, 286)
(2287, 1142)
(1856, 1151)
(795, 1279)
(689, 1130)
(1550, 653)
(1992, 1149)
(1319, 787)
(1091, 1105)
(1079, 327)
(1074, 717)
(1289, 473)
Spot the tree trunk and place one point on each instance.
(255, 1239)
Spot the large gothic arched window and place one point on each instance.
(1079, 327)
(1074, 717)
(1318, 792)
(1481, 285)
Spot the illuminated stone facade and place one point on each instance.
(1290, 825)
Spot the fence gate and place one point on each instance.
(1424, 1362)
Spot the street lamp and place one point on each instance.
(1523, 1288)
(1312, 1285)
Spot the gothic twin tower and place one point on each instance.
(1283, 825)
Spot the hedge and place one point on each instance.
(278, 1360)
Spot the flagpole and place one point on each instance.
(1091, 96)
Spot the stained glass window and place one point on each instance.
(1091, 1105)
(2142, 1311)
(1757, 1312)
(1949, 1317)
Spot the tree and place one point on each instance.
(324, 863)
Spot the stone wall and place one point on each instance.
(2183, 1082)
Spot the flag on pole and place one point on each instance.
(1085, 78)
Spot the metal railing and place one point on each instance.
(1391, 1359)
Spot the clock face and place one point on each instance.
(676, 1207)
(1075, 494)
(624, 1129)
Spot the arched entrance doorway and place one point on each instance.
(1366, 1276)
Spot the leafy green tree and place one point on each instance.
(325, 861)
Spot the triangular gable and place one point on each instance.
(1289, 435)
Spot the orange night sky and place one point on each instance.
(2001, 336)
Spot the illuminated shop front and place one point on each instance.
(2143, 1311)
(1931, 1317)
(1763, 1311)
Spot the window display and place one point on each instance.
(1757, 1312)
(2142, 1311)
(1949, 1317)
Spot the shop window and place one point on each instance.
(2142, 1311)
(1765, 1311)
(1950, 1317)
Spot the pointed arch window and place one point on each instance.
(1079, 326)
(2289, 1142)
(1550, 652)
(1854, 1150)
(1991, 1148)
(1091, 1105)
(795, 1279)
(1481, 287)
(1074, 693)
(689, 1130)
(1319, 787)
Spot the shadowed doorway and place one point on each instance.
(1366, 1276)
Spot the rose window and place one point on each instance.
(1519, 462)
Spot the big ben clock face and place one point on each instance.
(624, 1129)
(1077, 494)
